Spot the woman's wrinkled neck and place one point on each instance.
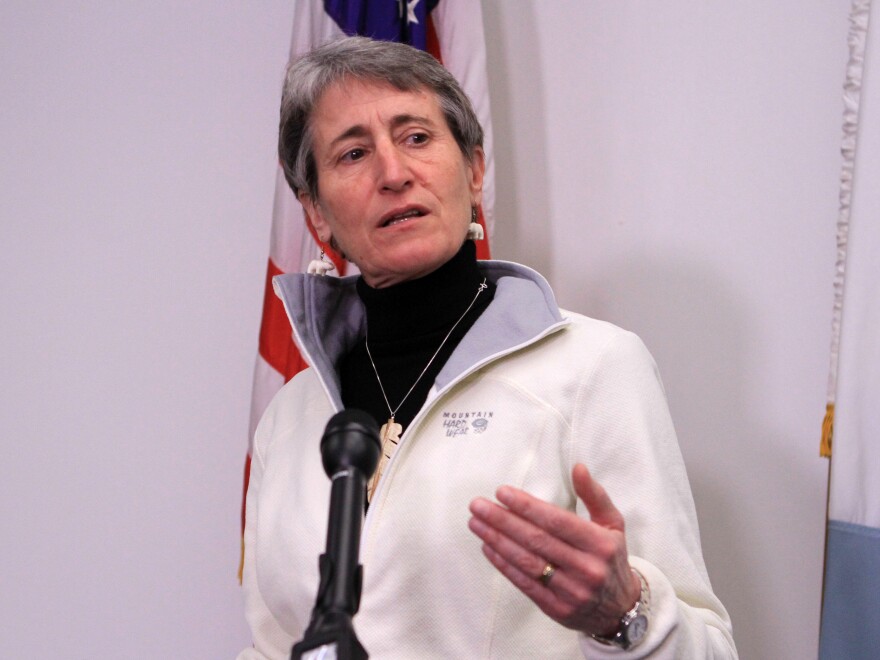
(425, 304)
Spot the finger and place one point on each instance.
(554, 520)
(543, 597)
(524, 542)
(596, 499)
(526, 561)
(579, 577)
(562, 582)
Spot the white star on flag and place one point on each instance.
(411, 11)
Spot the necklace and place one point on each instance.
(391, 430)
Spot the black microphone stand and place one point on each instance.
(350, 452)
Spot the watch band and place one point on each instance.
(633, 626)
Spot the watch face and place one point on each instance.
(637, 629)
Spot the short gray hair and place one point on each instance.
(359, 58)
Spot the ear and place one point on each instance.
(313, 211)
(476, 170)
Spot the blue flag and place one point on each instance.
(390, 20)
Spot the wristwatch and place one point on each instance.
(634, 624)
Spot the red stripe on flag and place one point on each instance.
(432, 44)
(276, 344)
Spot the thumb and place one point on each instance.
(601, 508)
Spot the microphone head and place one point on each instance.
(351, 440)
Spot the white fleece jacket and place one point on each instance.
(529, 392)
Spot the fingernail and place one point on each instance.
(480, 506)
(504, 494)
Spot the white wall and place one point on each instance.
(671, 167)
(137, 171)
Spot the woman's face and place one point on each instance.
(394, 189)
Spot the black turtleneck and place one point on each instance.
(406, 323)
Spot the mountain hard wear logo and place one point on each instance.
(466, 422)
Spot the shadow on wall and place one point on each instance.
(522, 202)
(698, 328)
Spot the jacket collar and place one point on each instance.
(328, 319)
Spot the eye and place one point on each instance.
(417, 138)
(352, 155)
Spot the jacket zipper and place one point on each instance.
(430, 405)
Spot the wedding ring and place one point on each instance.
(547, 574)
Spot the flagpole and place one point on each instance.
(852, 87)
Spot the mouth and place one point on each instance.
(399, 216)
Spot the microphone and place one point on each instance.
(350, 453)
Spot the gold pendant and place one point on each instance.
(389, 434)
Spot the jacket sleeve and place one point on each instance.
(623, 432)
(271, 642)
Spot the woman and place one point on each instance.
(479, 380)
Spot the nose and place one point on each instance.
(393, 173)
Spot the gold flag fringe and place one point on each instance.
(827, 432)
